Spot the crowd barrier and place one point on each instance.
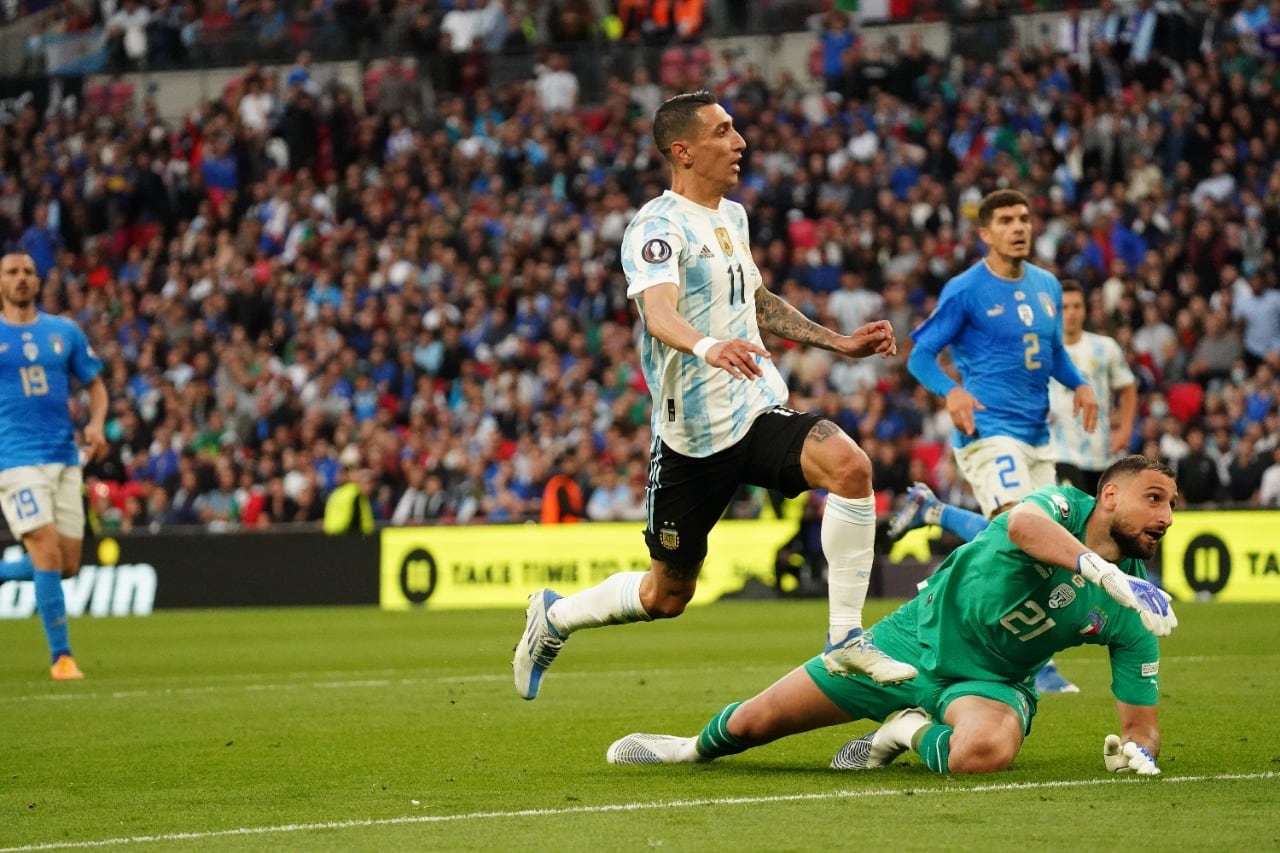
(1223, 556)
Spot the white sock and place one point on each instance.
(613, 601)
(848, 541)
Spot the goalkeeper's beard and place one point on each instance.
(1131, 545)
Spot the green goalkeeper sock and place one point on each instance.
(715, 740)
(934, 745)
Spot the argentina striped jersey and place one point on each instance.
(698, 409)
(1102, 363)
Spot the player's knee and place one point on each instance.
(851, 474)
(982, 753)
(753, 724)
(669, 605)
(670, 588)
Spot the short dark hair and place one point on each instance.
(996, 200)
(1070, 285)
(677, 118)
(1127, 466)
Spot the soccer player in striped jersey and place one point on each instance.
(718, 418)
(1082, 456)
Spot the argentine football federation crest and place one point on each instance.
(669, 537)
(31, 350)
(1026, 314)
(726, 242)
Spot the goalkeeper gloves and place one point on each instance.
(1151, 602)
(1128, 757)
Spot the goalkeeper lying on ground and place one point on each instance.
(1060, 569)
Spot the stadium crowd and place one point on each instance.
(298, 287)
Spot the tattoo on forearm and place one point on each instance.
(821, 431)
(773, 314)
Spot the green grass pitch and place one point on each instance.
(355, 729)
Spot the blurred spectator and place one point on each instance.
(1197, 473)
(348, 508)
(1269, 489)
(1216, 351)
(1257, 308)
(562, 499)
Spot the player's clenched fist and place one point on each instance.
(1128, 757)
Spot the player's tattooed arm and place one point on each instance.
(773, 314)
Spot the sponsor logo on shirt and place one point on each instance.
(995, 312)
(1149, 670)
(1061, 596)
(706, 252)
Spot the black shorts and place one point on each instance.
(687, 495)
(1085, 481)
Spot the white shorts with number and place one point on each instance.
(36, 495)
(1001, 470)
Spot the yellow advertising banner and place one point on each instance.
(466, 567)
(1229, 556)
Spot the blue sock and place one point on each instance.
(962, 522)
(53, 611)
(21, 569)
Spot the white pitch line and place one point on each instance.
(626, 807)
(342, 684)
(332, 681)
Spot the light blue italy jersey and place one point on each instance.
(1006, 342)
(1102, 363)
(698, 409)
(37, 362)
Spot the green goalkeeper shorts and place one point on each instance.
(861, 698)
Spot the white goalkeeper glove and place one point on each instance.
(1128, 757)
(1151, 602)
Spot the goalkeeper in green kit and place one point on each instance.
(1060, 569)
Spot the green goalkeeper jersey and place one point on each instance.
(991, 612)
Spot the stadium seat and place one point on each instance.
(119, 97)
(95, 98)
(1185, 400)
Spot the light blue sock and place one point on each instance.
(53, 611)
(21, 569)
(962, 522)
